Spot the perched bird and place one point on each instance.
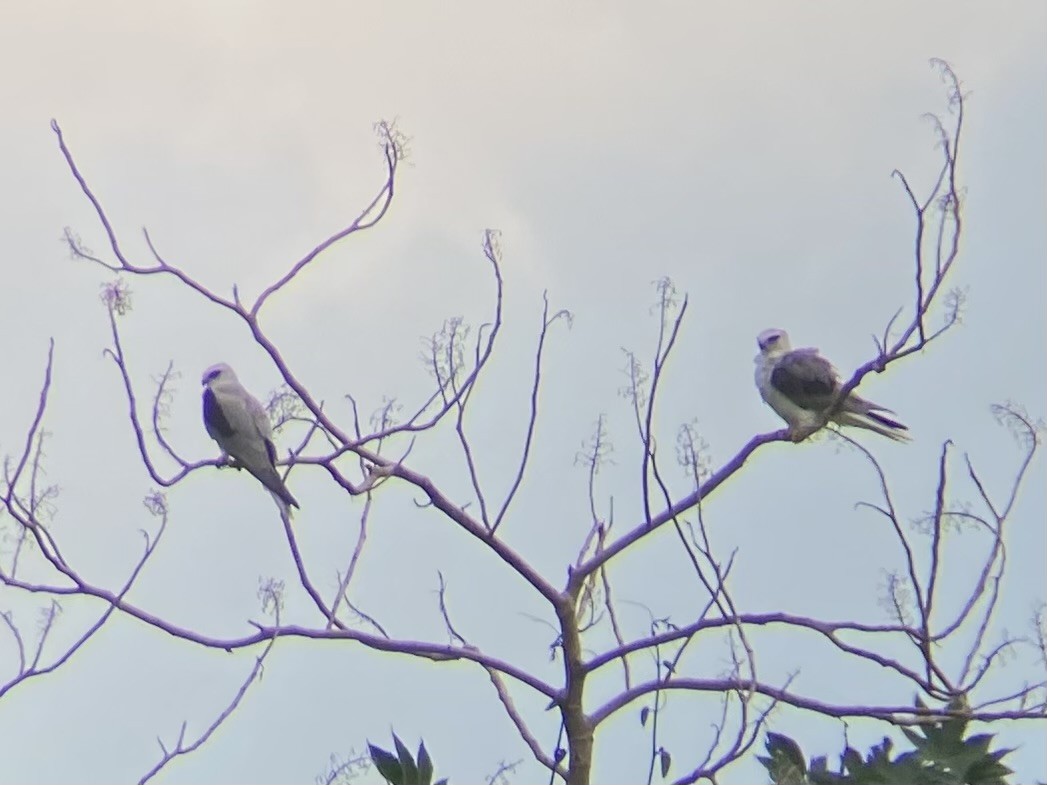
(800, 384)
(237, 421)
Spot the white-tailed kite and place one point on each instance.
(237, 421)
(800, 384)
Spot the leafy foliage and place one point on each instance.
(401, 768)
(941, 755)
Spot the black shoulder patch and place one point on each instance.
(809, 382)
(214, 418)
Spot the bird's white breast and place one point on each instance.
(778, 401)
(764, 368)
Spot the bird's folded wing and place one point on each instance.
(806, 378)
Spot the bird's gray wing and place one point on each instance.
(246, 435)
(260, 424)
(232, 421)
(263, 430)
(806, 378)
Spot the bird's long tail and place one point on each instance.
(270, 478)
(861, 413)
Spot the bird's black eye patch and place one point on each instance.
(213, 375)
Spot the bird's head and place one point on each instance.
(218, 373)
(773, 341)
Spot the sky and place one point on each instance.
(744, 153)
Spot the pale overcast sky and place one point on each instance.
(744, 153)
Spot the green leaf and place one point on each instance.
(778, 743)
(998, 754)
(665, 761)
(387, 764)
(852, 760)
(940, 756)
(425, 765)
(954, 728)
(410, 771)
(980, 743)
(643, 715)
(881, 751)
(786, 766)
(988, 770)
(827, 777)
(917, 739)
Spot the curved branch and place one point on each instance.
(181, 748)
(24, 673)
(532, 420)
(430, 651)
(829, 630)
(894, 714)
(704, 491)
(379, 206)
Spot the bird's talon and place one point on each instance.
(800, 432)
